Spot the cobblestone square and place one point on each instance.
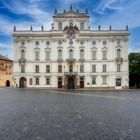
(29, 114)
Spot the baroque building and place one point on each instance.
(6, 72)
(71, 55)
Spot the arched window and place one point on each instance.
(60, 26)
(81, 26)
(118, 53)
(71, 53)
(81, 54)
(22, 54)
(59, 54)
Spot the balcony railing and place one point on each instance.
(81, 60)
(70, 73)
(22, 60)
(59, 60)
(71, 60)
(119, 60)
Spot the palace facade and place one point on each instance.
(71, 55)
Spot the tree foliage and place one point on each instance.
(134, 70)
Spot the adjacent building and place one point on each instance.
(6, 72)
(71, 55)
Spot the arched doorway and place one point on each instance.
(71, 83)
(7, 83)
(23, 82)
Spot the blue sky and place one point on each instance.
(24, 13)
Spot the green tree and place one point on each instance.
(134, 70)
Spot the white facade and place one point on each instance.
(88, 58)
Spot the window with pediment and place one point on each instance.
(60, 26)
(118, 53)
(82, 54)
(59, 54)
(22, 54)
(70, 53)
(81, 26)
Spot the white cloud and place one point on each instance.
(126, 14)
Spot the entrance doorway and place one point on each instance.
(23, 82)
(59, 82)
(71, 83)
(7, 83)
(81, 82)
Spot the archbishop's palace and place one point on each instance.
(71, 55)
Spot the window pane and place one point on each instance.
(47, 55)
(104, 68)
(104, 55)
(36, 55)
(81, 68)
(47, 68)
(94, 55)
(81, 54)
(93, 68)
(93, 80)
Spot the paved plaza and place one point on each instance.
(29, 114)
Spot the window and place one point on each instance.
(81, 26)
(94, 43)
(47, 80)
(82, 42)
(118, 67)
(93, 55)
(47, 68)
(71, 24)
(37, 43)
(31, 81)
(47, 55)
(22, 68)
(22, 54)
(37, 68)
(118, 81)
(93, 68)
(47, 43)
(104, 53)
(37, 80)
(70, 42)
(70, 53)
(60, 26)
(81, 68)
(104, 68)
(22, 43)
(81, 54)
(60, 68)
(59, 42)
(104, 42)
(118, 53)
(104, 80)
(93, 80)
(36, 55)
(70, 68)
(59, 54)
(118, 42)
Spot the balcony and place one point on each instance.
(119, 60)
(81, 60)
(71, 60)
(59, 60)
(70, 73)
(22, 60)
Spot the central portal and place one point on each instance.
(71, 84)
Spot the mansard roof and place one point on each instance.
(70, 14)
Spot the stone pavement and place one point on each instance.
(28, 114)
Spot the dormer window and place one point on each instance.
(104, 42)
(37, 43)
(93, 43)
(118, 42)
(82, 42)
(47, 43)
(81, 26)
(60, 26)
(59, 42)
(22, 43)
